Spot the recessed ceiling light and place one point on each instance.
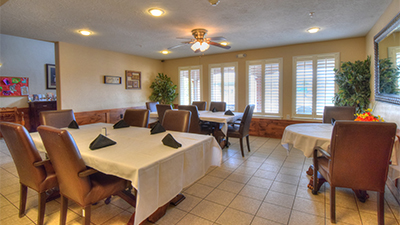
(165, 52)
(85, 32)
(224, 43)
(156, 12)
(313, 30)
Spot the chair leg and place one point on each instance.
(333, 204)
(88, 212)
(227, 141)
(248, 143)
(381, 208)
(241, 146)
(22, 199)
(63, 212)
(315, 174)
(41, 207)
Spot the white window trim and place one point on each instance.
(221, 65)
(315, 57)
(200, 67)
(263, 62)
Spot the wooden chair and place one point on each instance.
(358, 158)
(33, 172)
(177, 120)
(83, 185)
(8, 114)
(196, 125)
(219, 106)
(57, 118)
(338, 113)
(242, 130)
(201, 105)
(152, 106)
(137, 117)
(161, 110)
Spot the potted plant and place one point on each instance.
(354, 85)
(164, 90)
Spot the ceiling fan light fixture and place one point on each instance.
(213, 2)
(156, 12)
(313, 30)
(195, 46)
(224, 43)
(204, 46)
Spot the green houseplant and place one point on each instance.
(388, 77)
(353, 81)
(164, 90)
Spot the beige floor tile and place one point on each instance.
(309, 207)
(344, 215)
(189, 203)
(284, 188)
(372, 219)
(265, 174)
(254, 192)
(208, 210)
(301, 218)
(172, 216)
(231, 186)
(199, 190)
(13, 220)
(104, 213)
(221, 173)
(269, 167)
(194, 220)
(119, 219)
(287, 179)
(261, 221)
(274, 212)
(210, 180)
(280, 199)
(232, 216)
(245, 204)
(8, 211)
(260, 182)
(221, 197)
(240, 178)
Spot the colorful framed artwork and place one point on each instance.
(50, 76)
(14, 86)
(133, 79)
(112, 79)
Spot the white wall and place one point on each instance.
(22, 57)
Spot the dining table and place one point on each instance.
(306, 136)
(157, 172)
(220, 121)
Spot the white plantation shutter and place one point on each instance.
(271, 102)
(255, 87)
(325, 84)
(398, 64)
(304, 87)
(189, 85)
(216, 85)
(184, 87)
(229, 87)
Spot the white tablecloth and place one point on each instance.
(220, 117)
(306, 136)
(157, 172)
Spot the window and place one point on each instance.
(223, 84)
(394, 55)
(190, 84)
(264, 86)
(314, 83)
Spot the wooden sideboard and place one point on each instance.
(35, 108)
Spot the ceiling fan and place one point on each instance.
(200, 43)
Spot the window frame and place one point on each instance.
(190, 68)
(314, 59)
(263, 62)
(222, 66)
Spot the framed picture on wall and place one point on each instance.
(133, 79)
(50, 76)
(112, 79)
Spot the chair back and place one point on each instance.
(152, 106)
(201, 105)
(360, 154)
(161, 110)
(177, 120)
(220, 106)
(194, 119)
(67, 162)
(246, 120)
(24, 153)
(137, 117)
(338, 113)
(57, 118)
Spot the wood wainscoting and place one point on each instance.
(272, 128)
(102, 116)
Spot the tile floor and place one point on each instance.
(267, 186)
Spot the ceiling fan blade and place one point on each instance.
(219, 45)
(177, 46)
(217, 38)
(197, 51)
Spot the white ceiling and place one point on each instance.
(126, 26)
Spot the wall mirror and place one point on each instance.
(387, 62)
